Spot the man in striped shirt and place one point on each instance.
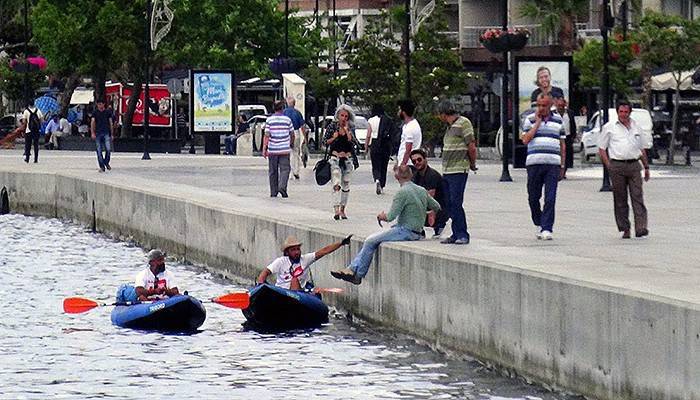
(279, 135)
(544, 135)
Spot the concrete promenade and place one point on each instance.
(607, 317)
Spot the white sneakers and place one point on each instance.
(544, 235)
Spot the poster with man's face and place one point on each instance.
(535, 77)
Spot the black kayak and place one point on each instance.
(275, 309)
(179, 313)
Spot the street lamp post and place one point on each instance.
(146, 92)
(606, 83)
(335, 42)
(407, 40)
(286, 29)
(26, 54)
(505, 173)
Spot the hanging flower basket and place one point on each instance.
(499, 41)
(517, 40)
(494, 40)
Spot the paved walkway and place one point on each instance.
(586, 248)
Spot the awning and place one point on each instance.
(666, 81)
(82, 97)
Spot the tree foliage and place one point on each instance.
(589, 61)
(558, 17)
(672, 43)
(244, 35)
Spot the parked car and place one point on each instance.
(592, 132)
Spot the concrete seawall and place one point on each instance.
(602, 341)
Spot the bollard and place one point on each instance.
(4, 201)
(94, 219)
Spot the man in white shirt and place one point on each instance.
(621, 148)
(51, 128)
(31, 116)
(292, 269)
(411, 134)
(155, 282)
(64, 129)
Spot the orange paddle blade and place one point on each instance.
(77, 305)
(329, 290)
(233, 300)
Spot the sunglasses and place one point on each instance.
(417, 159)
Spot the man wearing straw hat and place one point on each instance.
(292, 269)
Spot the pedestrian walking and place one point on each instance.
(32, 117)
(279, 135)
(458, 157)
(545, 138)
(339, 139)
(621, 149)
(408, 207)
(298, 124)
(102, 132)
(432, 181)
(569, 123)
(411, 134)
(378, 143)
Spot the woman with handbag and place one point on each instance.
(339, 138)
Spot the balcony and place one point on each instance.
(538, 37)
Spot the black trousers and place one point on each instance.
(380, 161)
(30, 139)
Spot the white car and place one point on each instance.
(591, 133)
(361, 126)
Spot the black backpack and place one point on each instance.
(34, 123)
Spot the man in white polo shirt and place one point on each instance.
(620, 148)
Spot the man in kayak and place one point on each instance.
(292, 269)
(155, 282)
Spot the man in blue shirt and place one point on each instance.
(299, 140)
(102, 128)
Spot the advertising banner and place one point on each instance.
(160, 104)
(211, 101)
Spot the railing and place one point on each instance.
(538, 36)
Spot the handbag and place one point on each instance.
(322, 170)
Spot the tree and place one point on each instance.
(589, 61)
(672, 43)
(558, 17)
(243, 35)
(436, 71)
(374, 63)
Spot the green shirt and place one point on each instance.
(410, 205)
(455, 148)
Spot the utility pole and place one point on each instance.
(606, 81)
(286, 29)
(505, 173)
(146, 91)
(407, 41)
(26, 54)
(335, 43)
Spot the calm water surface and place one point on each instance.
(45, 353)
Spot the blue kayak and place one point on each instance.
(274, 309)
(179, 313)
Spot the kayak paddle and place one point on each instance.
(233, 300)
(78, 305)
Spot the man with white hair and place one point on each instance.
(299, 134)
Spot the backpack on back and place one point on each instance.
(34, 123)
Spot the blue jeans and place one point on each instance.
(454, 185)
(538, 176)
(230, 143)
(397, 233)
(104, 143)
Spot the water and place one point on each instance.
(45, 353)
